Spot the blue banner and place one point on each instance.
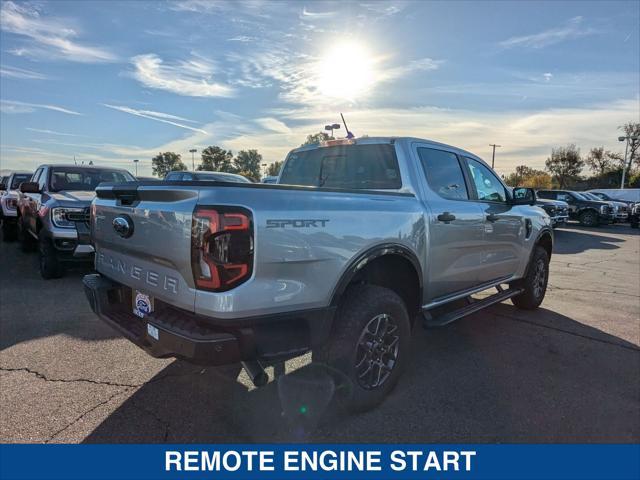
(320, 461)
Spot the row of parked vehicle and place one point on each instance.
(48, 210)
(357, 240)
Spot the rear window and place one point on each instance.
(344, 166)
(72, 178)
(18, 178)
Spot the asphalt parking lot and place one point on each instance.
(568, 372)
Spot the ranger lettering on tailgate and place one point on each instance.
(155, 279)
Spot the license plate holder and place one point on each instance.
(142, 303)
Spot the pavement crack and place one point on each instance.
(84, 414)
(70, 380)
(165, 425)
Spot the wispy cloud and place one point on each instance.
(15, 106)
(574, 28)
(308, 14)
(49, 37)
(21, 73)
(191, 78)
(52, 132)
(157, 116)
(420, 65)
(273, 124)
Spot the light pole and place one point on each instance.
(193, 159)
(626, 149)
(493, 156)
(135, 162)
(332, 127)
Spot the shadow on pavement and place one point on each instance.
(578, 239)
(500, 376)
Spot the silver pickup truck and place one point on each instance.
(358, 239)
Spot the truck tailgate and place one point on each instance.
(142, 237)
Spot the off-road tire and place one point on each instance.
(589, 218)
(50, 266)
(27, 242)
(534, 283)
(9, 232)
(362, 305)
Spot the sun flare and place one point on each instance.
(346, 72)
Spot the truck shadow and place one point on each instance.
(580, 239)
(499, 376)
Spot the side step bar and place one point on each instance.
(472, 306)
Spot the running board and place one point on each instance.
(472, 306)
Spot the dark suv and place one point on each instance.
(590, 213)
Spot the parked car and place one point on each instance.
(620, 194)
(357, 240)
(620, 209)
(270, 179)
(53, 213)
(557, 210)
(9, 202)
(206, 176)
(588, 212)
(634, 217)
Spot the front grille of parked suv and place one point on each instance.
(81, 217)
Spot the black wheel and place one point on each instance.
(50, 266)
(368, 345)
(535, 283)
(9, 232)
(589, 218)
(27, 242)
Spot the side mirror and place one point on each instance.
(523, 196)
(29, 187)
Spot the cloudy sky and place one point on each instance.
(116, 81)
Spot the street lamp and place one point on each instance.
(136, 164)
(332, 127)
(193, 158)
(626, 149)
(493, 157)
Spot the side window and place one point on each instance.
(36, 176)
(187, 176)
(565, 197)
(173, 176)
(546, 194)
(487, 184)
(444, 173)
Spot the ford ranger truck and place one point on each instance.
(9, 203)
(53, 213)
(358, 240)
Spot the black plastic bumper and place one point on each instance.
(198, 339)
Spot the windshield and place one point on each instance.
(223, 177)
(18, 178)
(590, 196)
(78, 178)
(344, 166)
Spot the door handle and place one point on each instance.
(492, 218)
(446, 217)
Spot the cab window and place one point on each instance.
(488, 187)
(444, 174)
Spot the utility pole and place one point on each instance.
(493, 157)
(633, 138)
(136, 164)
(193, 159)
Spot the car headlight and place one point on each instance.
(59, 216)
(11, 203)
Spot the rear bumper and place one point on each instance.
(200, 340)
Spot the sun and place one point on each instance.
(346, 71)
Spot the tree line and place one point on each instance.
(217, 159)
(564, 168)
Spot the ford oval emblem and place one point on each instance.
(123, 225)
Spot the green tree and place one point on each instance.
(316, 138)
(522, 174)
(601, 161)
(274, 168)
(565, 164)
(247, 163)
(166, 162)
(216, 159)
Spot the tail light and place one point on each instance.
(221, 247)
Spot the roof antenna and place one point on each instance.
(349, 134)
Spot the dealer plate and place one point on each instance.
(142, 303)
(153, 331)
